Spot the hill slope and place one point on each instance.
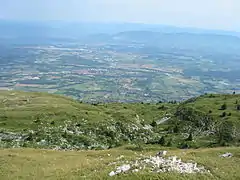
(51, 121)
(21, 109)
(213, 116)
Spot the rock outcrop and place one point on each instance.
(159, 164)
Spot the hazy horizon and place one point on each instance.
(216, 14)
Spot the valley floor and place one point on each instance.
(73, 165)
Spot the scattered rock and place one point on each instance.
(112, 173)
(147, 127)
(226, 155)
(65, 136)
(163, 120)
(123, 168)
(135, 170)
(120, 169)
(161, 153)
(120, 157)
(42, 142)
(10, 136)
(159, 164)
(173, 164)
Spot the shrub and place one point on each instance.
(223, 114)
(211, 96)
(161, 141)
(183, 146)
(190, 137)
(153, 124)
(162, 107)
(223, 107)
(238, 107)
(225, 132)
(169, 143)
(176, 129)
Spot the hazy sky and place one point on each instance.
(217, 14)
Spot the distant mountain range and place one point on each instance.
(172, 40)
(76, 30)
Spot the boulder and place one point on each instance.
(161, 153)
(226, 155)
(120, 169)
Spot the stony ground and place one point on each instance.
(48, 164)
(159, 164)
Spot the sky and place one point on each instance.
(209, 14)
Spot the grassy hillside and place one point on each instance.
(55, 119)
(47, 164)
(20, 110)
(212, 104)
(52, 121)
(46, 121)
(211, 116)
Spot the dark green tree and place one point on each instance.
(223, 114)
(169, 143)
(211, 96)
(161, 107)
(225, 132)
(176, 129)
(238, 107)
(190, 137)
(161, 141)
(153, 124)
(223, 107)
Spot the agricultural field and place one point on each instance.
(128, 69)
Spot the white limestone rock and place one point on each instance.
(161, 153)
(226, 155)
(112, 173)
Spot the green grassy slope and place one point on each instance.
(51, 121)
(46, 164)
(212, 103)
(63, 122)
(58, 119)
(212, 116)
(19, 110)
